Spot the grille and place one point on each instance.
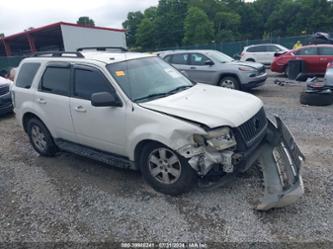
(4, 90)
(252, 128)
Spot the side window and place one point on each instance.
(306, 51)
(257, 49)
(27, 74)
(271, 48)
(56, 80)
(326, 51)
(198, 59)
(88, 82)
(181, 59)
(168, 58)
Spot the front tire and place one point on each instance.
(166, 171)
(229, 82)
(40, 138)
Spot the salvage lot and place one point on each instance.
(69, 198)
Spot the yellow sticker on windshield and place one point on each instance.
(120, 73)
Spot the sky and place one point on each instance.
(18, 15)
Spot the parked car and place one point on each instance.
(321, 38)
(329, 75)
(5, 97)
(316, 58)
(136, 111)
(215, 68)
(263, 53)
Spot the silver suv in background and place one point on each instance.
(215, 68)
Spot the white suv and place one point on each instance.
(136, 111)
(263, 53)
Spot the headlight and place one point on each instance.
(219, 139)
(247, 69)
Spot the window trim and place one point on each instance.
(91, 69)
(56, 65)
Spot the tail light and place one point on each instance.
(330, 65)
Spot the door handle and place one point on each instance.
(323, 59)
(41, 101)
(193, 68)
(80, 108)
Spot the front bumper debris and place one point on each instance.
(278, 156)
(280, 160)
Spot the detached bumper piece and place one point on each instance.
(280, 160)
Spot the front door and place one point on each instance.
(102, 128)
(311, 58)
(199, 71)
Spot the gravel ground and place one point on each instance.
(69, 198)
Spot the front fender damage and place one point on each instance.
(278, 156)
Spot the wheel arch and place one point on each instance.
(223, 75)
(139, 148)
(26, 117)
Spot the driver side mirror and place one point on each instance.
(105, 99)
(209, 63)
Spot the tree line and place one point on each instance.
(174, 23)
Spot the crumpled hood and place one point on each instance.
(209, 105)
(255, 65)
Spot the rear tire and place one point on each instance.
(166, 171)
(316, 99)
(40, 138)
(229, 82)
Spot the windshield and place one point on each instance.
(149, 78)
(221, 57)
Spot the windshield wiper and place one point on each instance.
(178, 89)
(151, 96)
(160, 95)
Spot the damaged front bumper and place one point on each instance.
(278, 156)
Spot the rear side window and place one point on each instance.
(88, 82)
(270, 48)
(257, 49)
(27, 74)
(326, 51)
(180, 59)
(307, 51)
(56, 80)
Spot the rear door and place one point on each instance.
(325, 56)
(179, 61)
(258, 53)
(311, 58)
(200, 71)
(270, 52)
(52, 98)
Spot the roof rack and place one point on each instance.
(122, 49)
(58, 54)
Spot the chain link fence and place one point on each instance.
(233, 48)
(229, 48)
